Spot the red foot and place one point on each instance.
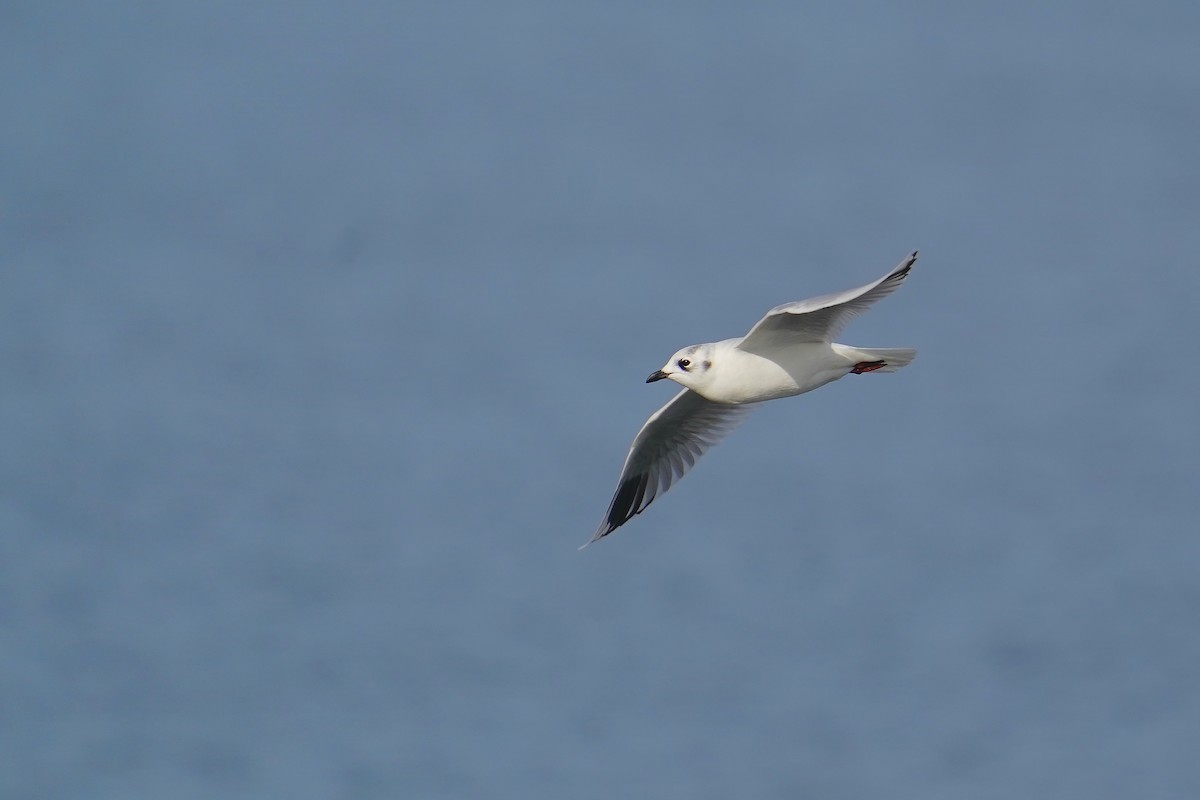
(867, 366)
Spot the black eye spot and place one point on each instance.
(685, 363)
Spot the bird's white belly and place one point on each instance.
(748, 378)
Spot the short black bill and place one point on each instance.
(657, 375)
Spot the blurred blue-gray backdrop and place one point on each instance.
(324, 329)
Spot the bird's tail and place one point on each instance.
(893, 358)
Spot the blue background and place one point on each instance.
(323, 330)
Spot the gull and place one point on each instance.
(788, 352)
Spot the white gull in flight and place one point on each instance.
(790, 351)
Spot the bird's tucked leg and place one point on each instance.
(867, 366)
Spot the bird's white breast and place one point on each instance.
(742, 377)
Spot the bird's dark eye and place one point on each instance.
(685, 363)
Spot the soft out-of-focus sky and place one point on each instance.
(323, 331)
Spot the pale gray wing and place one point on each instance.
(666, 447)
(819, 319)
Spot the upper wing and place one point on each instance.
(666, 447)
(821, 318)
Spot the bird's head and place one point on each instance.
(690, 367)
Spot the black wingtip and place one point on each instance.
(626, 501)
(906, 267)
(626, 504)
